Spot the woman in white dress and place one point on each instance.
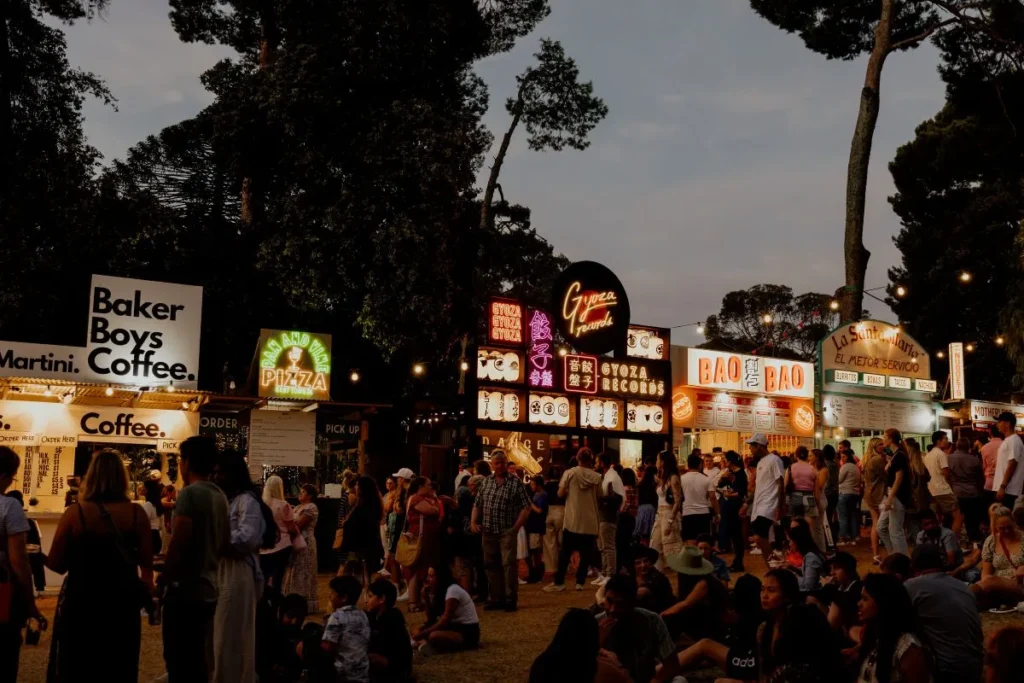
(301, 575)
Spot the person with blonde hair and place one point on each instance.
(103, 544)
(873, 466)
(1002, 563)
(274, 560)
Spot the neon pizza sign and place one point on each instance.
(295, 365)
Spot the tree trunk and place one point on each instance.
(499, 159)
(857, 172)
(6, 134)
(270, 40)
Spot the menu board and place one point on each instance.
(280, 438)
(871, 413)
(719, 410)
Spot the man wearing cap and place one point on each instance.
(501, 508)
(1009, 476)
(769, 494)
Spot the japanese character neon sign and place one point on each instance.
(580, 374)
(541, 372)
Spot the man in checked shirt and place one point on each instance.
(501, 508)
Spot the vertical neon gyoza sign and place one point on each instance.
(541, 371)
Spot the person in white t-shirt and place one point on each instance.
(452, 621)
(700, 497)
(1009, 477)
(612, 499)
(937, 463)
(769, 494)
(711, 467)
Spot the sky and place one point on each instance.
(721, 164)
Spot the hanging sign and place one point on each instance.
(599, 413)
(647, 342)
(645, 417)
(877, 348)
(504, 322)
(499, 406)
(294, 365)
(754, 374)
(552, 410)
(633, 378)
(541, 370)
(957, 387)
(591, 308)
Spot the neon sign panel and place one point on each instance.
(295, 365)
(589, 311)
(541, 372)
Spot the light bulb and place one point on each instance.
(417, 369)
(940, 354)
(901, 291)
(170, 387)
(969, 348)
(965, 276)
(700, 330)
(562, 352)
(109, 391)
(354, 376)
(1000, 341)
(834, 305)
(48, 392)
(767, 319)
(464, 366)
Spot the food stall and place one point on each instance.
(548, 383)
(720, 399)
(874, 376)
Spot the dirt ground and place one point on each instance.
(510, 642)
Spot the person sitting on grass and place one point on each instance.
(575, 654)
(1002, 564)
(654, 591)
(390, 649)
(813, 559)
(1004, 658)
(283, 663)
(934, 533)
(452, 622)
(638, 638)
(719, 569)
(702, 598)
(346, 637)
(840, 593)
(898, 565)
(889, 651)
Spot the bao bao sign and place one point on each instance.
(754, 374)
(874, 347)
(591, 308)
(295, 365)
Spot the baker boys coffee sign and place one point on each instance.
(140, 333)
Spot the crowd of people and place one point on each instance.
(233, 579)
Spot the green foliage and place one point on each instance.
(558, 109)
(797, 322)
(509, 20)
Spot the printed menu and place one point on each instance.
(867, 413)
(718, 410)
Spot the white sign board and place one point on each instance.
(281, 438)
(752, 374)
(874, 347)
(143, 332)
(21, 359)
(957, 385)
(984, 411)
(877, 414)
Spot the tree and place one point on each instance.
(46, 170)
(846, 29)
(769, 320)
(557, 109)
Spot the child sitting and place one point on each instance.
(346, 636)
(284, 664)
(390, 648)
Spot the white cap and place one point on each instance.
(404, 473)
(758, 438)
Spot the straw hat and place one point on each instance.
(690, 562)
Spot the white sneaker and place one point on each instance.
(404, 597)
(599, 581)
(579, 587)
(522, 582)
(754, 551)
(604, 580)
(554, 588)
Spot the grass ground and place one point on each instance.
(510, 642)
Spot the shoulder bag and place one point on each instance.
(409, 547)
(136, 588)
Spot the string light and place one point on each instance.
(965, 276)
(969, 348)
(700, 330)
(354, 376)
(562, 352)
(901, 291)
(834, 305)
(464, 366)
(170, 387)
(940, 354)
(109, 391)
(417, 369)
(767, 319)
(1000, 341)
(48, 392)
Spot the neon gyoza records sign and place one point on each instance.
(592, 309)
(295, 365)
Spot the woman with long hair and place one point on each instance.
(873, 470)
(395, 524)
(805, 650)
(1002, 563)
(575, 654)
(919, 498)
(665, 536)
(239, 576)
(301, 575)
(898, 495)
(423, 520)
(780, 592)
(647, 503)
(452, 621)
(889, 652)
(813, 566)
(1004, 656)
(821, 479)
(274, 560)
(360, 545)
(102, 543)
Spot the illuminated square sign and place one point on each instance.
(295, 365)
(499, 365)
(580, 374)
(505, 322)
(499, 406)
(873, 380)
(541, 371)
(552, 410)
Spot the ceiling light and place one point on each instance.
(109, 391)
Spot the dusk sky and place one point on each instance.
(721, 165)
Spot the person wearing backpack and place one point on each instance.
(238, 573)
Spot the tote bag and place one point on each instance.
(409, 546)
